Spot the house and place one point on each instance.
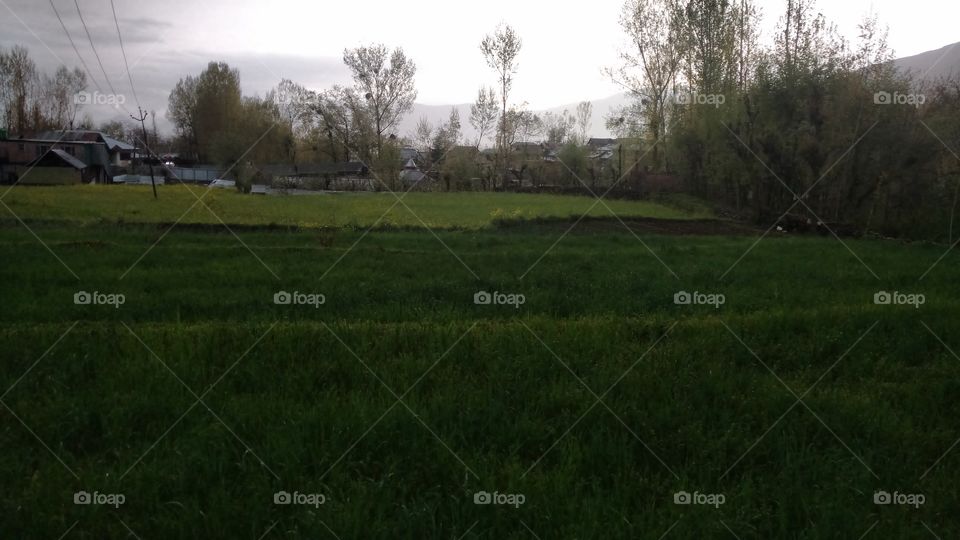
(411, 175)
(529, 150)
(120, 153)
(598, 143)
(33, 160)
(408, 153)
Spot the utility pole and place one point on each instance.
(142, 118)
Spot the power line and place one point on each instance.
(122, 50)
(75, 49)
(95, 53)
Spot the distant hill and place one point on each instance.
(927, 66)
(932, 65)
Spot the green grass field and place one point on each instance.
(399, 399)
(135, 204)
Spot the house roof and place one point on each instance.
(409, 153)
(80, 135)
(411, 176)
(57, 154)
(597, 143)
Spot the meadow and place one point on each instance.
(87, 204)
(587, 409)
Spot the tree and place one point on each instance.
(18, 75)
(649, 69)
(341, 118)
(447, 137)
(182, 112)
(59, 96)
(204, 108)
(500, 50)
(119, 130)
(584, 119)
(423, 136)
(557, 129)
(385, 79)
(483, 113)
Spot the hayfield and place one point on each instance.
(398, 399)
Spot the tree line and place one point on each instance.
(812, 129)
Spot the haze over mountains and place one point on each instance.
(927, 66)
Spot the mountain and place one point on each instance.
(927, 66)
(932, 65)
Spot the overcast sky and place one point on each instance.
(566, 45)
